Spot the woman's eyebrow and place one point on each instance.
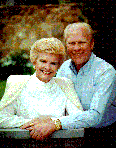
(42, 58)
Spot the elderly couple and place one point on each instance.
(82, 95)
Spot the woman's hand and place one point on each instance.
(42, 119)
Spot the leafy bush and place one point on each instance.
(2, 88)
(15, 64)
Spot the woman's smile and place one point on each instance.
(46, 72)
(46, 66)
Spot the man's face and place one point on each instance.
(79, 47)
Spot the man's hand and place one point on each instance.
(42, 131)
(40, 128)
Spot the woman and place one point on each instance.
(37, 102)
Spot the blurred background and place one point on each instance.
(22, 22)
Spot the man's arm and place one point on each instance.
(103, 96)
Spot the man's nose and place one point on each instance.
(77, 45)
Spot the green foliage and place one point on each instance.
(15, 64)
(64, 1)
(2, 88)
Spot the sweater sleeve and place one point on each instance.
(9, 118)
(67, 87)
(14, 85)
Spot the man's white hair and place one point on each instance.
(73, 28)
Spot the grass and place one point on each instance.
(2, 88)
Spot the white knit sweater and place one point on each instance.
(36, 98)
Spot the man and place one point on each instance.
(93, 78)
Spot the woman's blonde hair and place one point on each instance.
(47, 45)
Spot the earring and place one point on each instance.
(34, 66)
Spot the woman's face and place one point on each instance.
(46, 66)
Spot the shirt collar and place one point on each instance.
(43, 84)
(85, 69)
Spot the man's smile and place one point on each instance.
(77, 53)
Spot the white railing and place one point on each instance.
(17, 133)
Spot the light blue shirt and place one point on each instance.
(95, 84)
